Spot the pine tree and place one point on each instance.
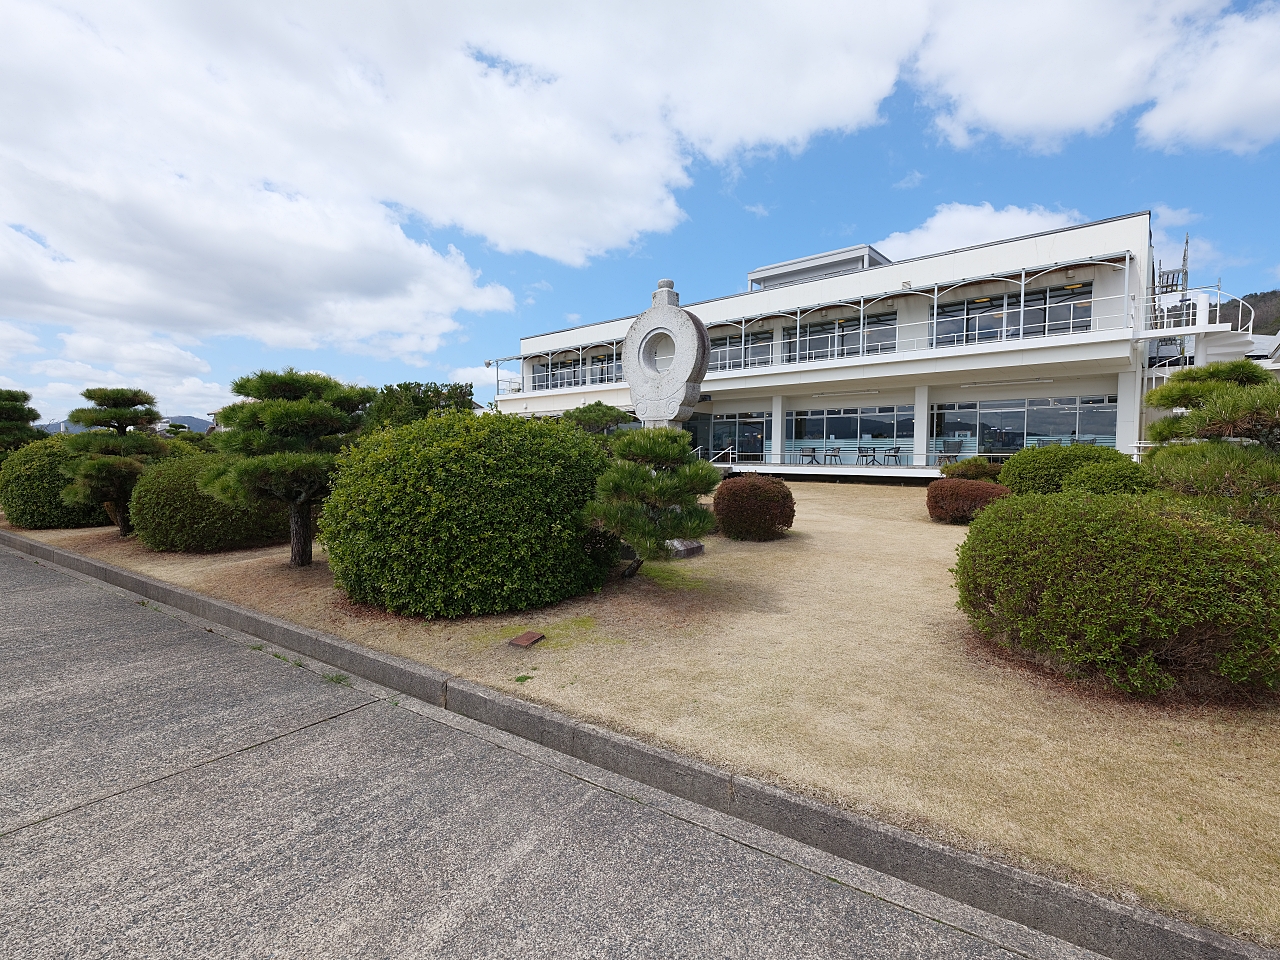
(596, 417)
(283, 441)
(406, 402)
(15, 421)
(114, 451)
(650, 494)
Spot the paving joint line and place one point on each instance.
(1046, 906)
(130, 788)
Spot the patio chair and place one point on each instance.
(950, 451)
(895, 453)
(831, 454)
(867, 455)
(808, 455)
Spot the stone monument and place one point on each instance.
(664, 358)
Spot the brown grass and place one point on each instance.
(834, 662)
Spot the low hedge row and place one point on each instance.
(1146, 592)
(31, 485)
(1043, 469)
(170, 512)
(972, 468)
(754, 507)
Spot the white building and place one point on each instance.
(847, 362)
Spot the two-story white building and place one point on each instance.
(846, 362)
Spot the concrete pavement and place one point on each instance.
(169, 790)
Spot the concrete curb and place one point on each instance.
(1076, 916)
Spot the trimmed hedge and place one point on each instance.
(955, 500)
(1042, 469)
(169, 511)
(1147, 593)
(1118, 476)
(754, 507)
(972, 468)
(458, 514)
(31, 485)
(1237, 480)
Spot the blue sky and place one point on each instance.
(331, 196)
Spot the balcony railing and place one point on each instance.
(1196, 307)
(1034, 323)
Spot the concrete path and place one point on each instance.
(169, 790)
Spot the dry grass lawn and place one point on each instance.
(835, 663)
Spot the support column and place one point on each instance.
(1202, 342)
(778, 441)
(1128, 412)
(920, 449)
(775, 352)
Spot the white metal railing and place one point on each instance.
(1197, 307)
(1033, 323)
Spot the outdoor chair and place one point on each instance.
(867, 455)
(895, 453)
(832, 455)
(808, 454)
(950, 451)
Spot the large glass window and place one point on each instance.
(1002, 427)
(748, 434)
(1046, 311)
(851, 337)
(822, 432)
(730, 352)
(998, 428)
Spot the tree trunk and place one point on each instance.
(632, 567)
(300, 534)
(124, 521)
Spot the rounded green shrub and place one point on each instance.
(1111, 476)
(31, 485)
(1238, 480)
(972, 468)
(169, 511)
(1142, 591)
(458, 514)
(956, 500)
(754, 507)
(1042, 469)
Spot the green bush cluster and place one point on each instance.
(32, 479)
(754, 507)
(972, 468)
(1043, 469)
(1143, 591)
(1239, 481)
(170, 512)
(1111, 476)
(956, 500)
(458, 514)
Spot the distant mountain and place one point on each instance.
(194, 424)
(1266, 312)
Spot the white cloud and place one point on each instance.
(482, 379)
(912, 179)
(759, 209)
(955, 225)
(1225, 90)
(245, 169)
(14, 340)
(1169, 237)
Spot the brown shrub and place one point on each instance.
(752, 507)
(953, 500)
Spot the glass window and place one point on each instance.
(1051, 420)
(880, 334)
(906, 422)
(1001, 431)
(842, 428)
(1097, 422)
